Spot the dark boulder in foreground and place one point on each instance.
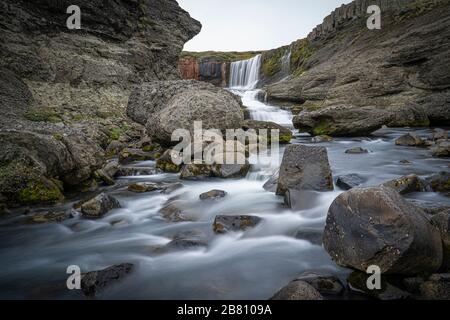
(99, 206)
(224, 224)
(376, 226)
(305, 168)
(94, 282)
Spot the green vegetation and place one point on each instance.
(58, 136)
(116, 132)
(24, 184)
(301, 52)
(323, 127)
(220, 56)
(271, 62)
(38, 191)
(43, 115)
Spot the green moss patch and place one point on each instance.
(24, 184)
(301, 51)
(43, 115)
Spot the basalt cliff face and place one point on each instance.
(348, 80)
(208, 70)
(64, 92)
(212, 67)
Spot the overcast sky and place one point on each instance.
(243, 25)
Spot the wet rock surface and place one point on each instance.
(409, 140)
(99, 206)
(407, 184)
(376, 226)
(356, 150)
(304, 168)
(213, 195)
(95, 282)
(348, 181)
(166, 106)
(298, 290)
(321, 79)
(224, 224)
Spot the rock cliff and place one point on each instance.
(349, 80)
(64, 92)
(210, 66)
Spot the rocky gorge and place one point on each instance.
(87, 176)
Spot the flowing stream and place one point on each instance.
(245, 265)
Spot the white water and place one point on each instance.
(245, 265)
(263, 111)
(244, 75)
(286, 62)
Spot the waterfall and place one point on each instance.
(245, 74)
(286, 62)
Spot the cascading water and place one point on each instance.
(244, 74)
(286, 62)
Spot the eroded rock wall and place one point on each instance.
(64, 92)
(399, 75)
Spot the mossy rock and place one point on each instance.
(322, 128)
(166, 164)
(40, 191)
(271, 64)
(301, 51)
(25, 184)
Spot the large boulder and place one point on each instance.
(341, 121)
(304, 168)
(376, 226)
(177, 104)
